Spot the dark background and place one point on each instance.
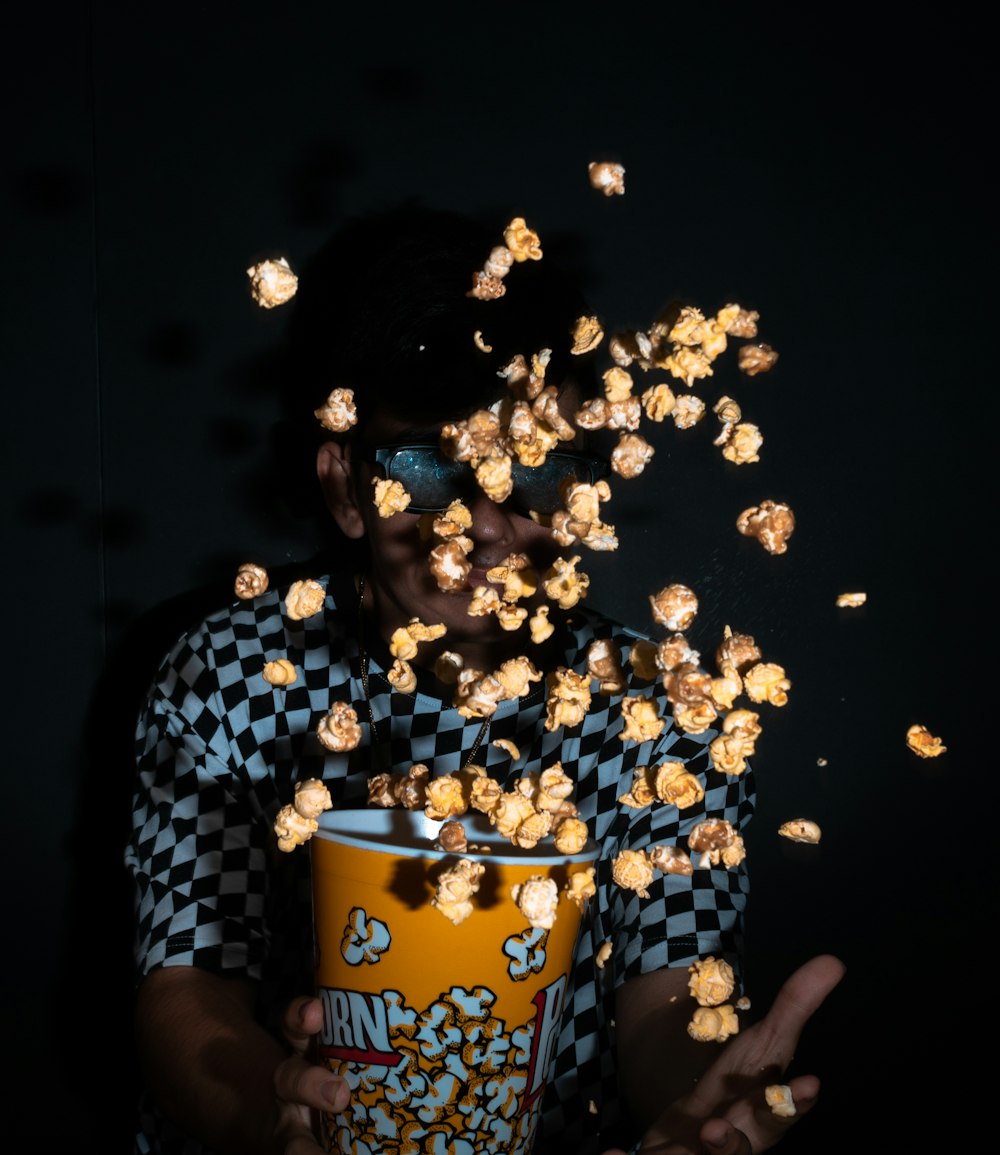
(829, 175)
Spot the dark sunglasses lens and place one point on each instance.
(539, 488)
(432, 480)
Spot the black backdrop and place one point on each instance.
(829, 176)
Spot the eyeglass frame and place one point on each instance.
(382, 455)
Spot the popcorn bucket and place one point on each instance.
(443, 1030)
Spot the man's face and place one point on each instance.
(399, 574)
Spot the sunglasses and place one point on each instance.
(433, 480)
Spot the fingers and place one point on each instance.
(803, 993)
(298, 1081)
(302, 1020)
(721, 1137)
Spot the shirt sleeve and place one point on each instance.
(198, 853)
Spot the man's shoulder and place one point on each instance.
(294, 611)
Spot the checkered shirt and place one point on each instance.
(219, 751)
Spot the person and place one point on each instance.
(225, 1017)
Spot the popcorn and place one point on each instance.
(522, 242)
(293, 829)
(851, 600)
(730, 752)
(642, 721)
(570, 835)
(741, 444)
(677, 786)
(408, 790)
(670, 860)
(405, 639)
(516, 575)
(445, 797)
(728, 411)
(480, 342)
(390, 496)
(800, 830)
(659, 402)
(563, 584)
(580, 886)
(778, 1097)
(339, 413)
(716, 841)
(696, 718)
(297, 822)
(447, 666)
(754, 359)
(642, 791)
(675, 606)
(766, 682)
(633, 871)
(923, 743)
(449, 563)
(304, 599)
(339, 730)
(607, 176)
(402, 676)
(739, 322)
(568, 698)
(312, 798)
(587, 335)
(736, 650)
(771, 523)
(280, 672)
(673, 653)
(688, 365)
(712, 981)
(536, 899)
(455, 888)
(631, 455)
(516, 676)
(604, 665)
(541, 628)
(452, 837)
(687, 410)
(713, 1024)
(272, 283)
(642, 659)
(477, 694)
(251, 581)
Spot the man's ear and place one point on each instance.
(333, 467)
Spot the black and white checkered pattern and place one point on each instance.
(219, 751)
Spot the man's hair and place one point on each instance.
(384, 309)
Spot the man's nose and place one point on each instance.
(491, 520)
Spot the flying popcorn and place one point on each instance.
(280, 672)
(537, 899)
(800, 830)
(304, 599)
(712, 981)
(455, 889)
(607, 176)
(778, 1097)
(771, 523)
(923, 743)
(338, 730)
(339, 413)
(251, 581)
(272, 283)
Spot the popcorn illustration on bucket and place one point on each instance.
(443, 978)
